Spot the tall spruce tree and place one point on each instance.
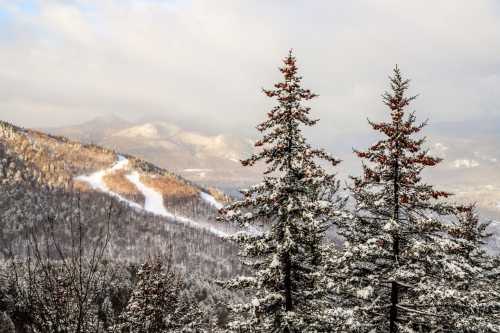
(402, 268)
(289, 213)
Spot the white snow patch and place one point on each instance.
(465, 163)
(197, 170)
(211, 200)
(147, 130)
(390, 226)
(95, 180)
(121, 164)
(153, 202)
(201, 172)
(365, 293)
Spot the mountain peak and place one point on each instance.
(147, 130)
(111, 119)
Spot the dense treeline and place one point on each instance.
(411, 260)
(69, 275)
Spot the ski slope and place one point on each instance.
(210, 200)
(153, 199)
(96, 181)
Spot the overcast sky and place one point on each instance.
(201, 64)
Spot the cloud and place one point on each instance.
(201, 63)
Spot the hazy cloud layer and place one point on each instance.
(203, 62)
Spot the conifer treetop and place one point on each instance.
(398, 155)
(282, 127)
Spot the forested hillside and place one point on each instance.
(46, 204)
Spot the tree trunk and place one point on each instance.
(394, 296)
(395, 246)
(288, 282)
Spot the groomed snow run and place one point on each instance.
(153, 200)
(96, 181)
(210, 200)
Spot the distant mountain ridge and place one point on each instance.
(470, 168)
(207, 159)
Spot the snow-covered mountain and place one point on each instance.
(40, 160)
(207, 159)
(51, 183)
(142, 191)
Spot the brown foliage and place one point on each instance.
(170, 187)
(118, 183)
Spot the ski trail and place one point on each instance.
(153, 200)
(121, 164)
(96, 181)
(210, 200)
(154, 204)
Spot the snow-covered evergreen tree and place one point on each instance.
(481, 310)
(402, 269)
(157, 304)
(288, 214)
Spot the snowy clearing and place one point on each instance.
(211, 200)
(96, 181)
(153, 199)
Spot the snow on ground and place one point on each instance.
(96, 181)
(153, 199)
(210, 200)
(121, 164)
(198, 170)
